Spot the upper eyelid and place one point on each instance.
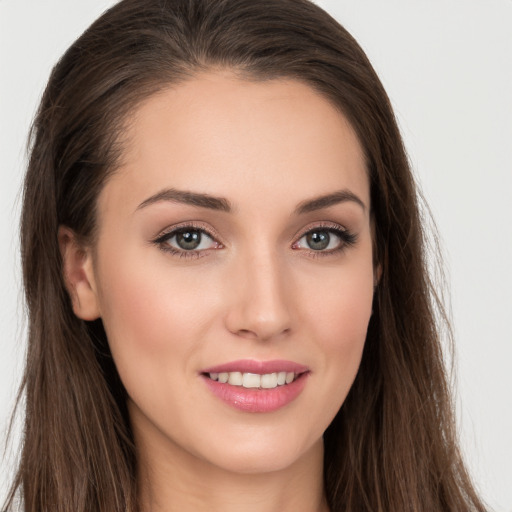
(194, 225)
(328, 225)
(200, 226)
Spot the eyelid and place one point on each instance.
(171, 231)
(347, 238)
(327, 225)
(195, 225)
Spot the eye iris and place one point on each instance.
(318, 240)
(188, 240)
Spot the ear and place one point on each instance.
(78, 275)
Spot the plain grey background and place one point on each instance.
(447, 66)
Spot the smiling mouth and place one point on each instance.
(257, 386)
(255, 380)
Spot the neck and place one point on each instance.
(179, 481)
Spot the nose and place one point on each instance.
(260, 299)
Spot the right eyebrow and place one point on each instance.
(321, 202)
(187, 197)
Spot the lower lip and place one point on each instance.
(257, 400)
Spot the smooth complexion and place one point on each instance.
(266, 272)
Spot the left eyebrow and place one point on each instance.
(318, 203)
(187, 197)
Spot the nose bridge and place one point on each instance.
(260, 307)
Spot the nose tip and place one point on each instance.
(262, 329)
(260, 304)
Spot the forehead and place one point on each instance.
(220, 135)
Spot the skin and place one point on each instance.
(256, 291)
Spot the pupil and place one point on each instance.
(318, 240)
(188, 240)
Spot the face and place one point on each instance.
(235, 244)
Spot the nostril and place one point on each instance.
(246, 333)
(261, 334)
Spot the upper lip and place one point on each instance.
(259, 367)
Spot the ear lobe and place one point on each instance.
(78, 275)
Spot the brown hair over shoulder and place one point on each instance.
(392, 445)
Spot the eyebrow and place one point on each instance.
(318, 203)
(186, 197)
(222, 204)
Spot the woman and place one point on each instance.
(223, 264)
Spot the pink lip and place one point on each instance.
(257, 400)
(259, 367)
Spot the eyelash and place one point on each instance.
(162, 240)
(347, 239)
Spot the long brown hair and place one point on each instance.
(392, 445)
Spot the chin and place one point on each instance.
(265, 457)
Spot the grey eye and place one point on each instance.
(327, 240)
(318, 240)
(188, 240)
(191, 240)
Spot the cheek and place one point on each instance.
(153, 314)
(341, 307)
(348, 312)
(338, 317)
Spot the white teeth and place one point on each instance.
(235, 378)
(254, 380)
(269, 380)
(251, 380)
